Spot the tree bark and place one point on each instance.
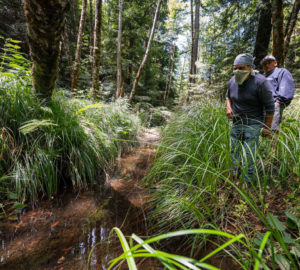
(192, 41)
(263, 34)
(138, 74)
(45, 21)
(97, 47)
(170, 73)
(195, 41)
(76, 65)
(75, 8)
(119, 66)
(278, 35)
(66, 46)
(91, 28)
(290, 26)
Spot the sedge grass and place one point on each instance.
(192, 174)
(66, 142)
(143, 249)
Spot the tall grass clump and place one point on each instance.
(194, 186)
(64, 142)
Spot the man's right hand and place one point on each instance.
(229, 113)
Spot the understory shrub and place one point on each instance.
(65, 142)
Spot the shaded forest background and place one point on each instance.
(184, 57)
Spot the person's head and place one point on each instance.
(268, 63)
(242, 67)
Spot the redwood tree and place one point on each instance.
(45, 20)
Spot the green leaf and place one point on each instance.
(282, 262)
(293, 220)
(276, 223)
(296, 251)
(261, 248)
(18, 205)
(127, 252)
(287, 238)
(7, 74)
(12, 196)
(15, 41)
(34, 124)
(95, 105)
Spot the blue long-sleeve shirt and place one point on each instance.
(250, 100)
(282, 84)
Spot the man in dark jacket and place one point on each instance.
(250, 105)
(283, 87)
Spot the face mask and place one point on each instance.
(241, 75)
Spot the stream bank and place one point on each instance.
(61, 232)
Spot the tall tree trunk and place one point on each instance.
(66, 45)
(76, 65)
(119, 66)
(138, 74)
(192, 40)
(75, 9)
(195, 41)
(170, 73)
(97, 47)
(44, 41)
(263, 34)
(278, 36)
(290, 26)
(91, 28)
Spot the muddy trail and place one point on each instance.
(60, 233)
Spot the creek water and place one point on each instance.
(61, 233)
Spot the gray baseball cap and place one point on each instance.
(267, 58)
(244, 59)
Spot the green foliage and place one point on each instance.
(171, 261)
(194, 187)
(66, 142)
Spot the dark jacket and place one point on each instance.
(250, 100)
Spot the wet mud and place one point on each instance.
(60, 233)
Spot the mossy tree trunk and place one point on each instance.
(97, 48)
(278, 35)
(76, 65)
(45, 20)
(66, 46)
(91, 28)
(263, 34)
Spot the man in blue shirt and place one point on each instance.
(250, 105)
(283, 87)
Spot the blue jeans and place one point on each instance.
(244, 142)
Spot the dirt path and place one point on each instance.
(60, 233)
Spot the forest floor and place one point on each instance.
(60, 233)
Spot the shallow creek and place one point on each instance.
(60, 233)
